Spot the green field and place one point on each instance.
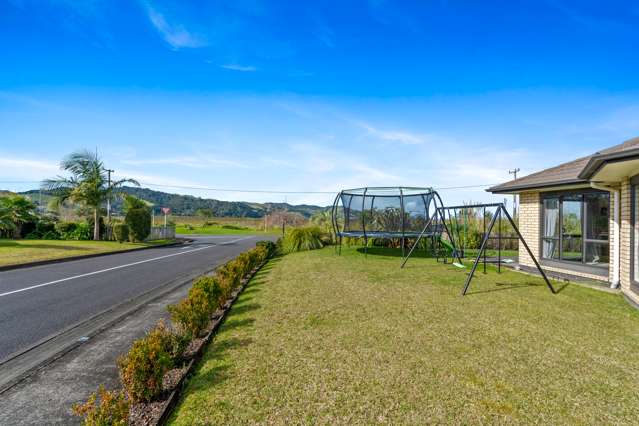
(15, 252)
(322, 339)
(192, 225)
(220, 230)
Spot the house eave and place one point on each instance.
(516, 189)
(598, 161)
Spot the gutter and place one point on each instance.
(616, 259)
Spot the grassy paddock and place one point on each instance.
(15, 252)
(216, 227)
(318, 338)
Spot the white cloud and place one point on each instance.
(237, 67)
(13, 168)
(174, 34)
(196, 162)
(400, 136)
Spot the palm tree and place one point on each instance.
(16, 210)
(87, 185)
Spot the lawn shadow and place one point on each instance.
(233, 323)
(242, 308)
(505, 286)
(392, 252)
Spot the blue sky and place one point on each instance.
(314, 96)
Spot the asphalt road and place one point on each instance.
(41, 301)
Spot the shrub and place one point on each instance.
(121, 232)
(234, 227)
(191, 314)
(144, 366)
(104, 408)
(82, 231)
(66, 227)
(229, 276)
(213, 290)
(270, 247)
(139, 222)
(302, 239)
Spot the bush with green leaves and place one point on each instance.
(270, 246)
(143, 367)
(83, 231)
(192, 313)
(213, 290)
(302, 239)
(139, 222)
(104, 408)
(121, 232)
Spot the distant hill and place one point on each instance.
(187, 205)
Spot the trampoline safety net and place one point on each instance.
(389, 212)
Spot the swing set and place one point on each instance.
(419, 214)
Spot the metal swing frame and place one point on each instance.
(500, 213)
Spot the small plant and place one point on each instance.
(302, 239)
(121, 232)
(191, 314)
(144, 366)
(270, 247)
(104, 408)
(213, 290)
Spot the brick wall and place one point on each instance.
(529, 225)
(625, 237)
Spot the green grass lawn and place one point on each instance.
(14, 252)
(219, 230)
(317, 338)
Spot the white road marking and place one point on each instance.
(114, 268)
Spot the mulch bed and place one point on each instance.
(158, 412)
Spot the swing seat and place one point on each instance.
(459, 265)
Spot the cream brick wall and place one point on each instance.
(625, 237)
(529, 225)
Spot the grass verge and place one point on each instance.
(16, 252)
(320, 338)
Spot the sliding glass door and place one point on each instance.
(571, 229)
(575, 227)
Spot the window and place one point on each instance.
(575, 227)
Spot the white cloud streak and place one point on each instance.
(176, 35)
(195, 162)
(237, 67)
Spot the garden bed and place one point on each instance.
(158, 412)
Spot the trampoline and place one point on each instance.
(415, 213)
(386, 212)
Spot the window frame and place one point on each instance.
(581, 265)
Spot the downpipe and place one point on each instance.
(616, 258)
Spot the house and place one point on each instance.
(581, 218)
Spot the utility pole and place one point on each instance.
(109, 171)
(514, 172)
